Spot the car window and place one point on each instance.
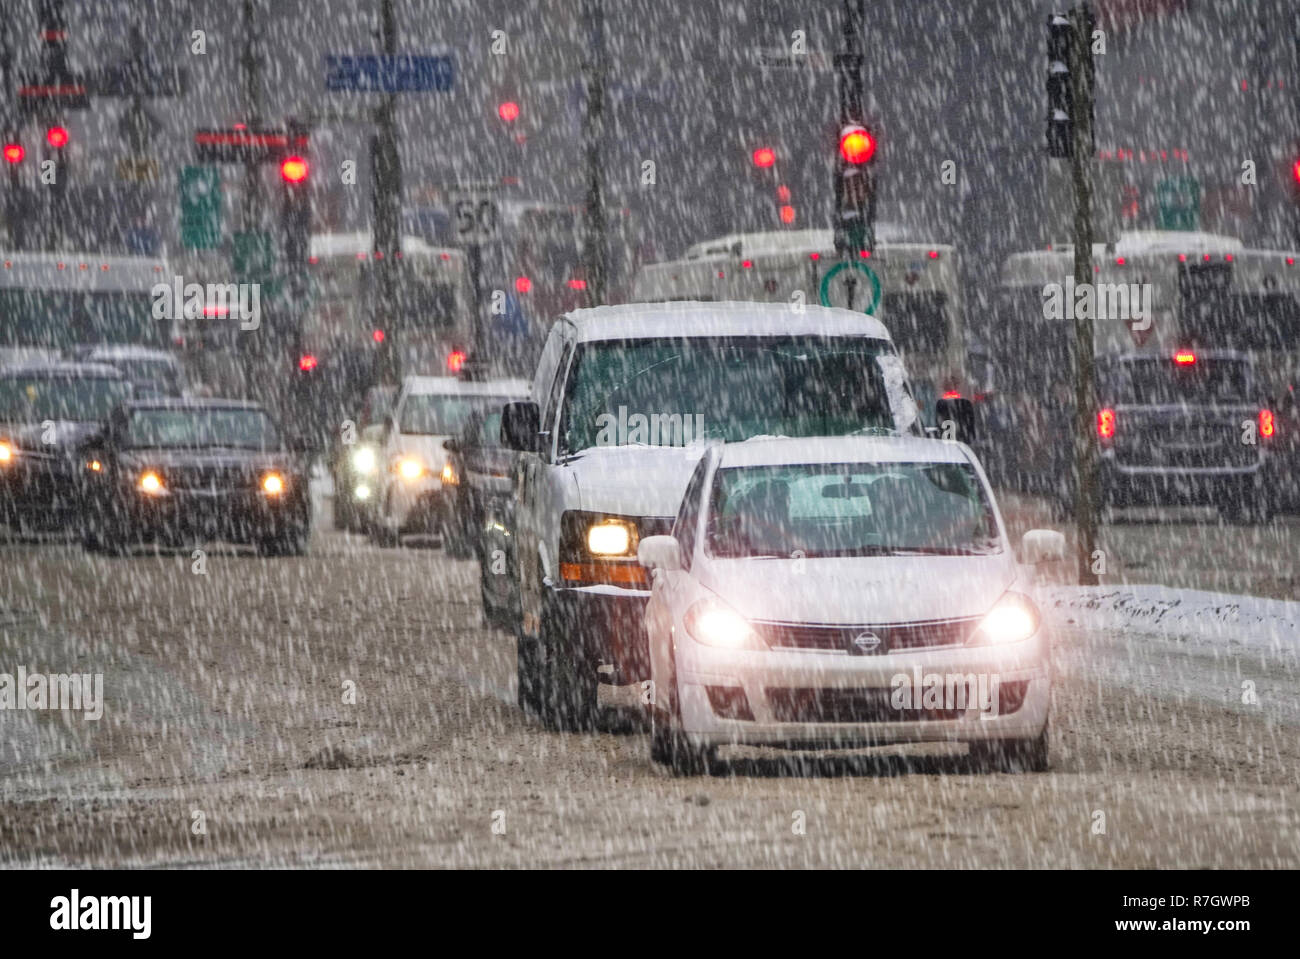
(850, 509)
(688, 516)
(1161, 381)
(32, 399)
(441, 414)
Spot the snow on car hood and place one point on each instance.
(634, 480)
(860, 590)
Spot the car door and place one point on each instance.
(672, 588)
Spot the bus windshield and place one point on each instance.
(58, 319)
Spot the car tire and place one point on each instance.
(569, 688)
(1014, 755)
(528, 663)
(669, 746)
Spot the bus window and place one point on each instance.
(58, 319)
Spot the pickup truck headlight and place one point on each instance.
(409, 468)
(7, 453)
(612, 537)
(597, 548)
(151, 483)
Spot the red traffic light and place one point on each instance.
(856, 145)
(764, 157)
(377, 336)
(455, 360)
(307, 363)
(523, 284)
(14, 152)
(508, 111)
(787, 214)
(293, 169)
(56, 137)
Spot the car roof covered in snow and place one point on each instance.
(453, 386)
(187, 403)
(129, 352)
(777, 451)
(640, 321)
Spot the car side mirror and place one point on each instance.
(520, 425)
(1042, 546)
(960, 413)
(451, 445)
(660, 552)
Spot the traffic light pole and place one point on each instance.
(854, 184)
(386, 171)
(596, 243)
(1086, 466)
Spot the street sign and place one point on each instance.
(200, 188)
(1178, 200)
(851, 286)
(401, 73)
(475, 216)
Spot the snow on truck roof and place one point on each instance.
(781, 451)
(352, 244)
(792, 241)
(643, 321)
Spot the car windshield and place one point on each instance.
(162, 372)
(192, 428)
(1162, 381)
(86, 399)
(442, 414)
(850, 509)
(670, 392)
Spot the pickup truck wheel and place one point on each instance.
(528, 677)
(569, 685)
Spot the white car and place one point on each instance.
(414, 486)
(845, 592)
(625, 401)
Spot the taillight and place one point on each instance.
(1267, 428)
(1106, 425)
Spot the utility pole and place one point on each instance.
(1085, 385)
(386, 240)
(596, 235)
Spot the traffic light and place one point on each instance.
(56, 137)
(296, 213)
(293, 169)
(508, 111)
(855, 202)
(14, 153)
(1060, 93)
(764, 158)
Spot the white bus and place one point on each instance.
(51, 303)
(434, 324)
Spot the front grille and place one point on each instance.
(892, 636)
(223, 478)
(824, 705)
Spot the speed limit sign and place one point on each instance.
(476, 217)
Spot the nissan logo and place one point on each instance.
(866, 642)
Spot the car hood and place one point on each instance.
(217, 458)
(860, 590)
(634, 480)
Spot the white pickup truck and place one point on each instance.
(624, 402)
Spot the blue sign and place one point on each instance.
(401, 73)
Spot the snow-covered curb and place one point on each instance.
(1178, 614)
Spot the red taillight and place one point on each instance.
(952, 395)
(377, 336)
(576, 284)
(1185, 358)
(455, 360)
(14, 152)
(523, 284)
(747, 264)
(1267, 428)
(307, 363)
(1106, 424)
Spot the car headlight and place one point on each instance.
(363, 460)
(714, 623)
(449, 477)
(409, 468)
(1013, 619)
(151, 483)
(7, 453)
(612, 537)
(272, 484)
(362, 492)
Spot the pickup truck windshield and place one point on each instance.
(851, 509)
(670, 392)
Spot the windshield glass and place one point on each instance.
(243, 429)
(32, 399)
(669, 392)
(59, 319)
(441, 414)
(850, 509)
(1163, 382)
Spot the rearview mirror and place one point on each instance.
(660, 552)
(520, 424)
(1042, 546)
(955, 417)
